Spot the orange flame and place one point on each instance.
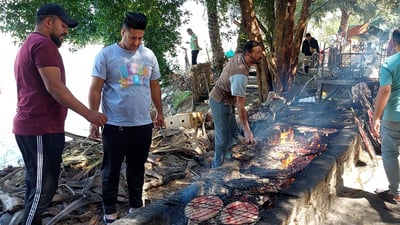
(287, 160)
(316, 142)
(287, 136)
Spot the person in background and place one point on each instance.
(230, 91)
(310, 49)
(369, 48)
(371, 57)
(125, 80)
(194, 45)
(43, 101)
(390, 49)
(386, 119)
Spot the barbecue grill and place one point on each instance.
(209, 209)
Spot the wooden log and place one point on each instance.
(87, 216)
(367, 142)
(153, 158)
(10, 189)
(82, 138)
(95, 219)
(162, 210)
(17, 218)
(169, 168)
(82, 201)
(201, 81)
(63, 197)
(10, 203)
(88, 170)
(11, 174)
(366, 103)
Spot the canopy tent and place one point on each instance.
(368, 31)
(357, 30)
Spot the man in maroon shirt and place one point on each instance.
(43, 101)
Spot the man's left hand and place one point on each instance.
(159, 122)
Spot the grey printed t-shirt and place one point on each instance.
(126, 97)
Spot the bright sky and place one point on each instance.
(199, 24)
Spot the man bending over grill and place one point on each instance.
(230, 91)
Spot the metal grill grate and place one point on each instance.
(203, 208)
(239, 212)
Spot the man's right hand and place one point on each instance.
(375, 127)
(97, 118)
(249, 137)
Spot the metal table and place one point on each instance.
(341, 87)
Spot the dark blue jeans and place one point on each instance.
(131, 144)
(226, 130)
(195, 53)
(42, 157)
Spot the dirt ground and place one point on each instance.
(357, 203)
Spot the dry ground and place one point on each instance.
(357, 203)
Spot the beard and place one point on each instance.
(256, 61)
(56, 39)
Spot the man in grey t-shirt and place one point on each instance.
(125, 81)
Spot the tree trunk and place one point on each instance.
(215, 39)
(283, 40)
(252, 29)
(242, 36)
(269, 22)
(344, 22)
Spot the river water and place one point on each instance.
(78, 66)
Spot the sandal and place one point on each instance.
(108, 221)
(387, 197)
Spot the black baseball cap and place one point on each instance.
(57, 10)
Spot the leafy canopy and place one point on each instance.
(100, 22)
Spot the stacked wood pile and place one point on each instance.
(362, 96)
(174, 155)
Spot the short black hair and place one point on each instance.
(135, 20)
(249, 45)
(396, 36)
(308, 35)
